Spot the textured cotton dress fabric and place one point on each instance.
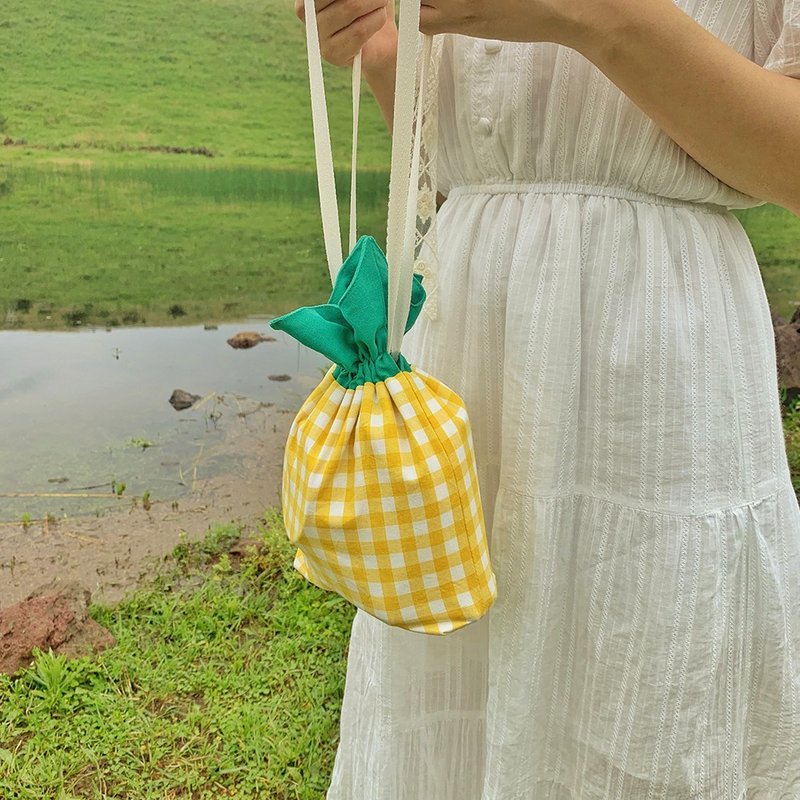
(602, 314)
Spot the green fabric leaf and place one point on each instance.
(324, 329)
(351, 329)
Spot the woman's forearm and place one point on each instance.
(381, 82)
(738, 120)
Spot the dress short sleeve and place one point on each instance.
(777, 36)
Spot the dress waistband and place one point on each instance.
(592, 190)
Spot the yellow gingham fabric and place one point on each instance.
(380, 495)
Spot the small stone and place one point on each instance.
(181, 400)
(248, 339)
(787, 345)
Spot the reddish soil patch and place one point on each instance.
(59, 621)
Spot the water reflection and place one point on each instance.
(81, 409)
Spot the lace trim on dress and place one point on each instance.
(426, 249)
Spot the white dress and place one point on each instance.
(603, 316)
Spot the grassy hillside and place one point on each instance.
(160, 155)
(226, 75)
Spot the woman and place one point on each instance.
(602, 315)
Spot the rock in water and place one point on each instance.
(248, 339)
(181, 400)
(58, 619)
(787, 345)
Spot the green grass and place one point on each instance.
(226, 75)
(127, 243)
(226, 682)
(775, 234)
(100, 229)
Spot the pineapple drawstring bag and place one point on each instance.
(380, 492)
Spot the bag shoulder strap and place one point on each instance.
(322, 145)
(406, 136)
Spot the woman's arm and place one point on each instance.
(738, 120)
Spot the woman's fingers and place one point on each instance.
(300, 7)
(341, 48)
(429, 19)
(345, 26)
(334, 15)
(340, 14)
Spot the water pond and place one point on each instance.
(87, 411)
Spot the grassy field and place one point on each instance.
(104, 223)
(226, 682)
(143, 243)
(225, 75)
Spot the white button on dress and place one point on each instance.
(492, 47)
(603, 317)
(484, 126)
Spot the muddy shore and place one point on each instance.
(112, 553)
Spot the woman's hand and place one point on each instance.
(347, 26)
(508, 20)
